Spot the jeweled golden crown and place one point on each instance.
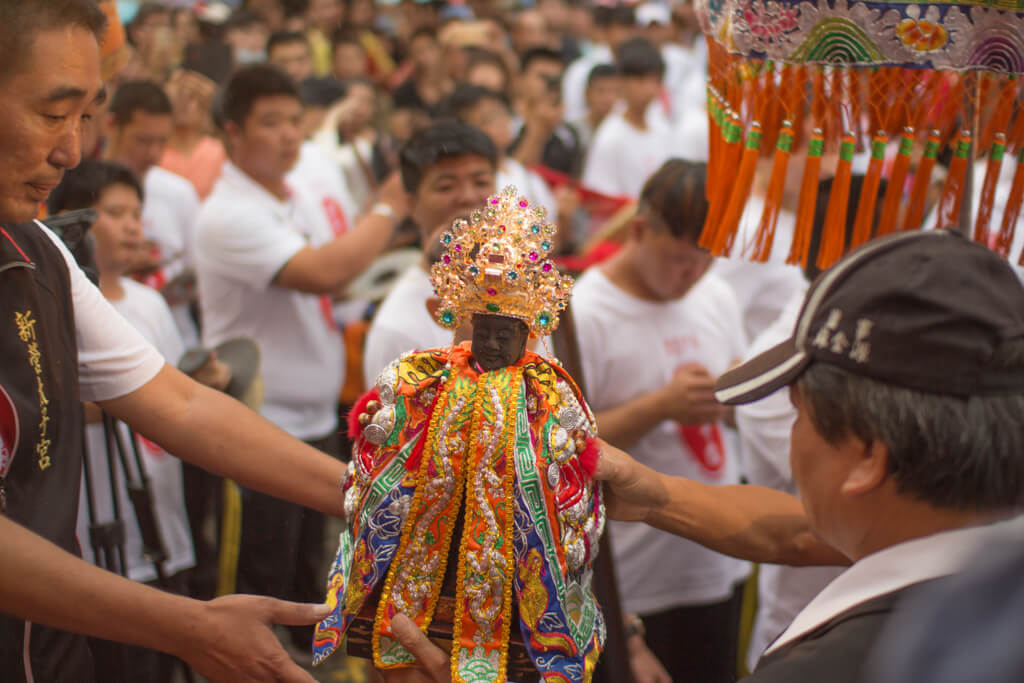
(497, 263)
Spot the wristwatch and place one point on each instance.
(382, 209)
(633, 626)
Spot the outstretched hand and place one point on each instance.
(433, 665)
(234, 641)
(631, 490)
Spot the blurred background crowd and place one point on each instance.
(278, 170)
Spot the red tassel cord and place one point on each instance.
(922, 179)
(988, 188)
(726, 234)
(359, 407)
(953, 192)
(833, 234)
(869, 192)
(764, 238)
(808, 197)
(589, 457)
(1012, 210)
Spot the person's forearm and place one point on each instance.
(219, 434)
(347, 256)
(529, 150)
(41, 583)
(625, 424)
(748, 522)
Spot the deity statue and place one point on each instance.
(470, 501)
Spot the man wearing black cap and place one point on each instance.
(906, 367)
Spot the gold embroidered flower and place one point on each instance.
(922, 35)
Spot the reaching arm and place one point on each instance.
(328, 268)
(749, 522)
(228, 639)
(217, 433)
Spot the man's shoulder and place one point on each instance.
(837, 650)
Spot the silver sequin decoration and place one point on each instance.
(554, 475)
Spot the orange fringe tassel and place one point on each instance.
(953, 192)
(869, 192)
(726, 233)
(729, 153)
(897, 179)
(764, 238)
(988, 188)
(922, 178)
(1012, 211)
(1002, 114)
(833, 233)
(808, 197)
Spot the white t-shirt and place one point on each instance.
(169, 212)
(630, 347)
(403, 323)
(245, 236)
(315, 174)
(352, 159)
(761, 288)
(764, 428)
(574, 81)
(622, 157)
(147, 311)
(529, 184)
(113, 358)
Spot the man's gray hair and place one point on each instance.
(951, 451)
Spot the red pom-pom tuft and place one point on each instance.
(354, 428)
(588, 458)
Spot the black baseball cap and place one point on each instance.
(921, 310)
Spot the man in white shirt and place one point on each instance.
(630, 145)
(138, 126)
(50, 81)
(447, 171)
(614, 25)
(654, 331)
(268, 262)
(909, 391)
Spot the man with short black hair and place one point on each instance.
(65, 344)
(139, 125)
(447, 171)
(290, 51)
(630, 145)
(906, 368)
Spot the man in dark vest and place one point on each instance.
(906, 368)
(61, 343)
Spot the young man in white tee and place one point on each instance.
(138, 127)
(116, 195)
(268, 262)
(447, 171)
(630, 144)
(654, 331)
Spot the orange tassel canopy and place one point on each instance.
(911, 87)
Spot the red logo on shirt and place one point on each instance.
(705, 444)
(9, 429)
(335, 215)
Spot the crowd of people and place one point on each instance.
(255, 166)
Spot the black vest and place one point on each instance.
(41, 423)
(837, 650)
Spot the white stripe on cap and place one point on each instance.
(766, 377)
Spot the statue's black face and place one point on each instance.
(498, 342)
